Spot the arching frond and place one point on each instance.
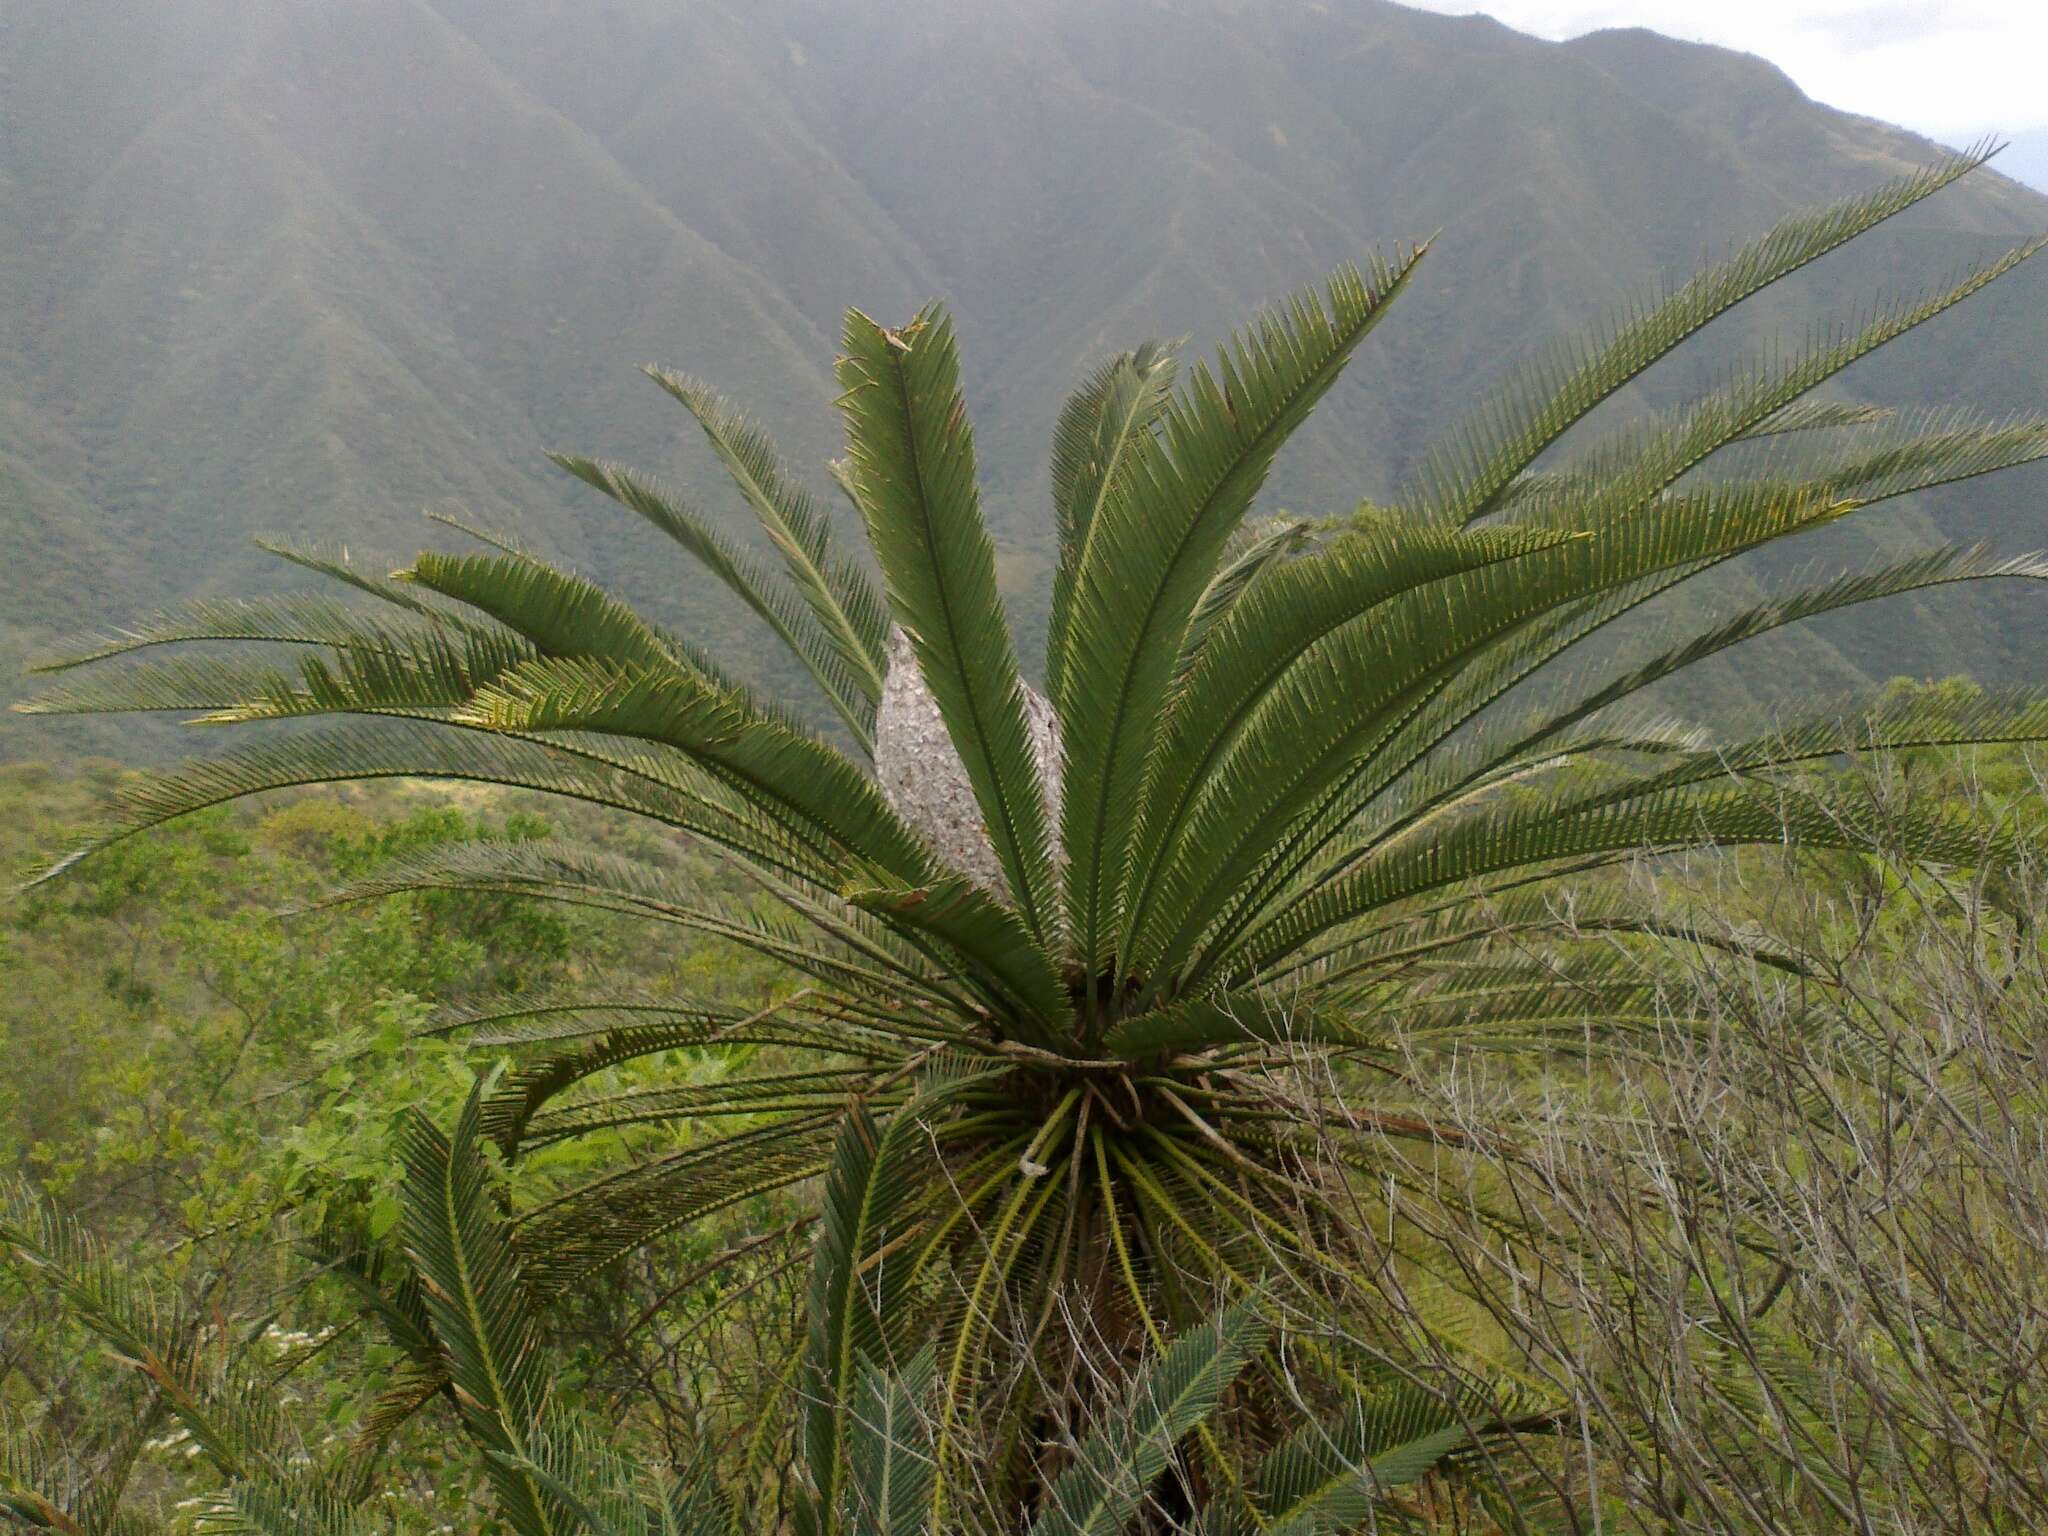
(1332, 1475)
(481, 1310)
(1119, 1461)
(574, 1235)
(1152, 549)
(913, 460)
(1533, 835)
(1266, 635)
(1094, 438)
(294, 619)
(1259, 552)
(1464, 478)
(798, 627)
(849, 608)
(967, 919)
(1298, 747)
(791, 775)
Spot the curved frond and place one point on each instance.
(266, 1509)
(849, 608)
(963, 916)
(1255, 555)
(1542, 833)
(1230, 1018)
(913, 460)
(583, 1230)
(1152, 549)
(1331, 1476)
(1266, 635)
(1298, 747)
(1120, 1460)
(412, 749)
(481, 1311)
(293, 619)
(821, 796)
(844, 683)
(1091, 442)
(1465, 477)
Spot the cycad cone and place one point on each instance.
(923, 779)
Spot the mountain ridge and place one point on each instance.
(307, 268)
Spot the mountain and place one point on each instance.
(306, 267)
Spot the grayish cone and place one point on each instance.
(923, 779)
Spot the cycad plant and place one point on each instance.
(1283, 787)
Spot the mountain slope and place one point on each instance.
(309, 267)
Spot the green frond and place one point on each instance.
(293, 619)
(605, 1493)
(858, 1313)
(1428, 774)
(266, 1509)
(582, 1231)
(1820, 416)
(2014, 715)
(336, 563)
(849, 608)
(814, 1090)
(1545, 832)
(566, 872)
(1302, 744)
(889, 1451)
(417, 674)
(481, 1310)
(1923, 453)
(389, 1293)
(1254, 556)
(780, 607)
(411, 749)
(1329, 1477)
(692, 1505)
(233, 1415)
(35, 1490)
(504, 543)
(1091, 442)
(552, 1019)
(841, 471)
(1640, 462)
(1265, 636)
(562, 614)
(1117, 1464)
(913, 460)
(1152, 550)
(963, 916)
(1912, 573)
(530, 1086)
(1465, 477)
(1799, 417)
(820, 796)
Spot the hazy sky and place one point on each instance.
(1951, 69)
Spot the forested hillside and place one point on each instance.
(308, 268)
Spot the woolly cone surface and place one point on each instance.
(924, 780)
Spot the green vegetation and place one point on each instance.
(1203, 1061)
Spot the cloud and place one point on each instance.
(1949, 68)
